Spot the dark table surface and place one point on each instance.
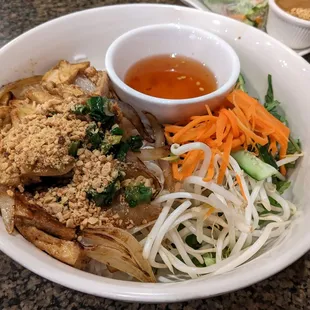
(22, 289)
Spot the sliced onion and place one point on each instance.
(153, 154)
(167, 171)
(118, 249)
(85, 83)
(7, 210)
(157, 129)
(131, 114)
(137, 216)
(19, 86)
(156, 170)
(171, 159)
(136, 167)
(127, 128)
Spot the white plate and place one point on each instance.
(197, 4)
(89, 33)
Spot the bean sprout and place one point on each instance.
(209, 228)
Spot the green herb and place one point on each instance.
(226, 252)
(209, 259)
(221, 1)
(73, 148)
(135, 195)
(106, 197)
(171, 158)
(266, 212)
(122, 151)
(197, 263)
(274, 202)
(269, 98)
(81, 109)
(135, 143)
(192, 241)
(194, 260)
(98, 109)
(105, 148)
(180, 227)
(109, 141)
(117, 131)
(271, 104)
(94, 135)
(267, 157)
(294, 146)
(241, 83)
(257, 11)
(282, 186)
(272, 107)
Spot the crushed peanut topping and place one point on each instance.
(38, 144)
(69, 203)
(302, 13)
(49, 153)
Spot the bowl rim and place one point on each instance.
(149, 293)
(287, 16)
(230, 82)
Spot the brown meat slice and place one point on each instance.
(34, 215)
(68, 252)
(40, 95)
(64, 72)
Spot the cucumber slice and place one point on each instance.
(253, 166)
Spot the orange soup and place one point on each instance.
(287, 5)
(171, 77)
(297, 8)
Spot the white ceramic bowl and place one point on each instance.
(89, 34)
(292, 31)
(164, 39)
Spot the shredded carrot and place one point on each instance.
(225, 158)
(191, 125)
(209, 212)
(168, 138)
(240, 17)
(210, 173)
(190, 162)
(227, 131)
(273, 146)
(245, 101)
(220, 127)
(172, 128)
(175, 170)
(241, 187)
(250, 134)
(246, 123)
(237, 143)
(211, 131)
(233, 123)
